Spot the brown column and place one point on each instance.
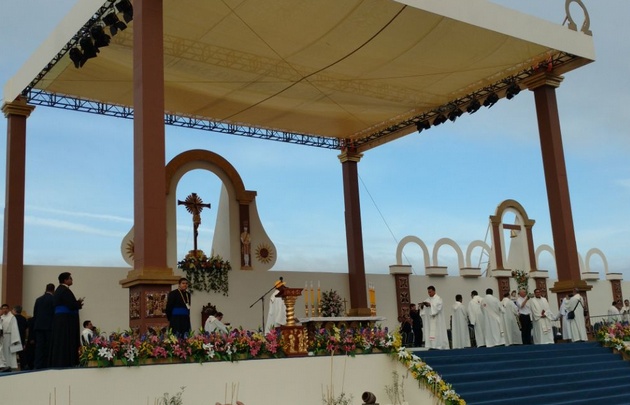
(354, 234)
(13, 249)
(403, 293)
(544, 87)
(150, 266)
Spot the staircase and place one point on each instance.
(568, 373)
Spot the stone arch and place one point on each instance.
(496, 222)
(412, 239)
(591, 253)
(450, 242)
(545, 248)
(474, 244)
(239, 212)
(199, 159)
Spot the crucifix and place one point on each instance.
(194, 204)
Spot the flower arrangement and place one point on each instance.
(129, 350)
(125, 348)
(425, 375)
(331, 304)
(522, 279)
(350, 341)
(205, 273)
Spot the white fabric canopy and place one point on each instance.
(342, 69)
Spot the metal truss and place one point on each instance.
(40, 97)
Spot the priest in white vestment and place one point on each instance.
(614, 315)
(510, 315)
(434, 321)
(459, 325)
(563, 312)
(625, 311)
(214, 323)
(277, 315)
(577, 325)
(493, 320)
(11, 342)
(542, 317)
(475, 316)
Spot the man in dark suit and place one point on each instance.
(43, 314)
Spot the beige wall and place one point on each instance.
(106, 303)
(274, 381)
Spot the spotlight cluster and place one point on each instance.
(455, 110)
(97, 38)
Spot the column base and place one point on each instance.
(148, 291)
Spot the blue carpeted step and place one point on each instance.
(543, 387)
(575, 373)
(524, 362)
(588, 395)
(468, 373)
(559, 376)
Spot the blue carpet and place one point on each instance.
(567, 373)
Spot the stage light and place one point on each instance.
(421, 125)
(88, 48)
(113, 22)
(76, 56)
(456, 113)
(473, 106)
(491, 100)
(512, 91)
(440, 119)
(101, 39)
(125, 7)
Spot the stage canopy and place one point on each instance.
(327, 71)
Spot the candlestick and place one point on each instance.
(319, 294)
(306, 301)
(312, 300)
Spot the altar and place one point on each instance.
(313, 324)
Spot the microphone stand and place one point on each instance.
(262, 300)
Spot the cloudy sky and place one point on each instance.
(442, 183)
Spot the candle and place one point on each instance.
(312, 295)
(306, 300)
(372, 294)
(319, 294)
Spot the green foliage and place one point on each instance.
(176, 399)
(205, 273)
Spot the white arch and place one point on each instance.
(412, 239)
(544, 248)
(483, 245)
(454, 245)
(589, 254)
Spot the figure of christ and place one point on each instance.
(194, 204)
(245, 246)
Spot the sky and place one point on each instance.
(443, 183)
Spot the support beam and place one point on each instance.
(150, 277)
(354, 234)
(567, 263)
(13, 249)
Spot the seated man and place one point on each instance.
(214, 323)
(87, 334)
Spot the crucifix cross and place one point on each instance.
(194, 204)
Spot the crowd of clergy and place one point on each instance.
(489, 321)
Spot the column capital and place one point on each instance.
(350, 156)
(17, 107)
(543, 79)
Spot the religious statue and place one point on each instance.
(194, 204)
(245, 246)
